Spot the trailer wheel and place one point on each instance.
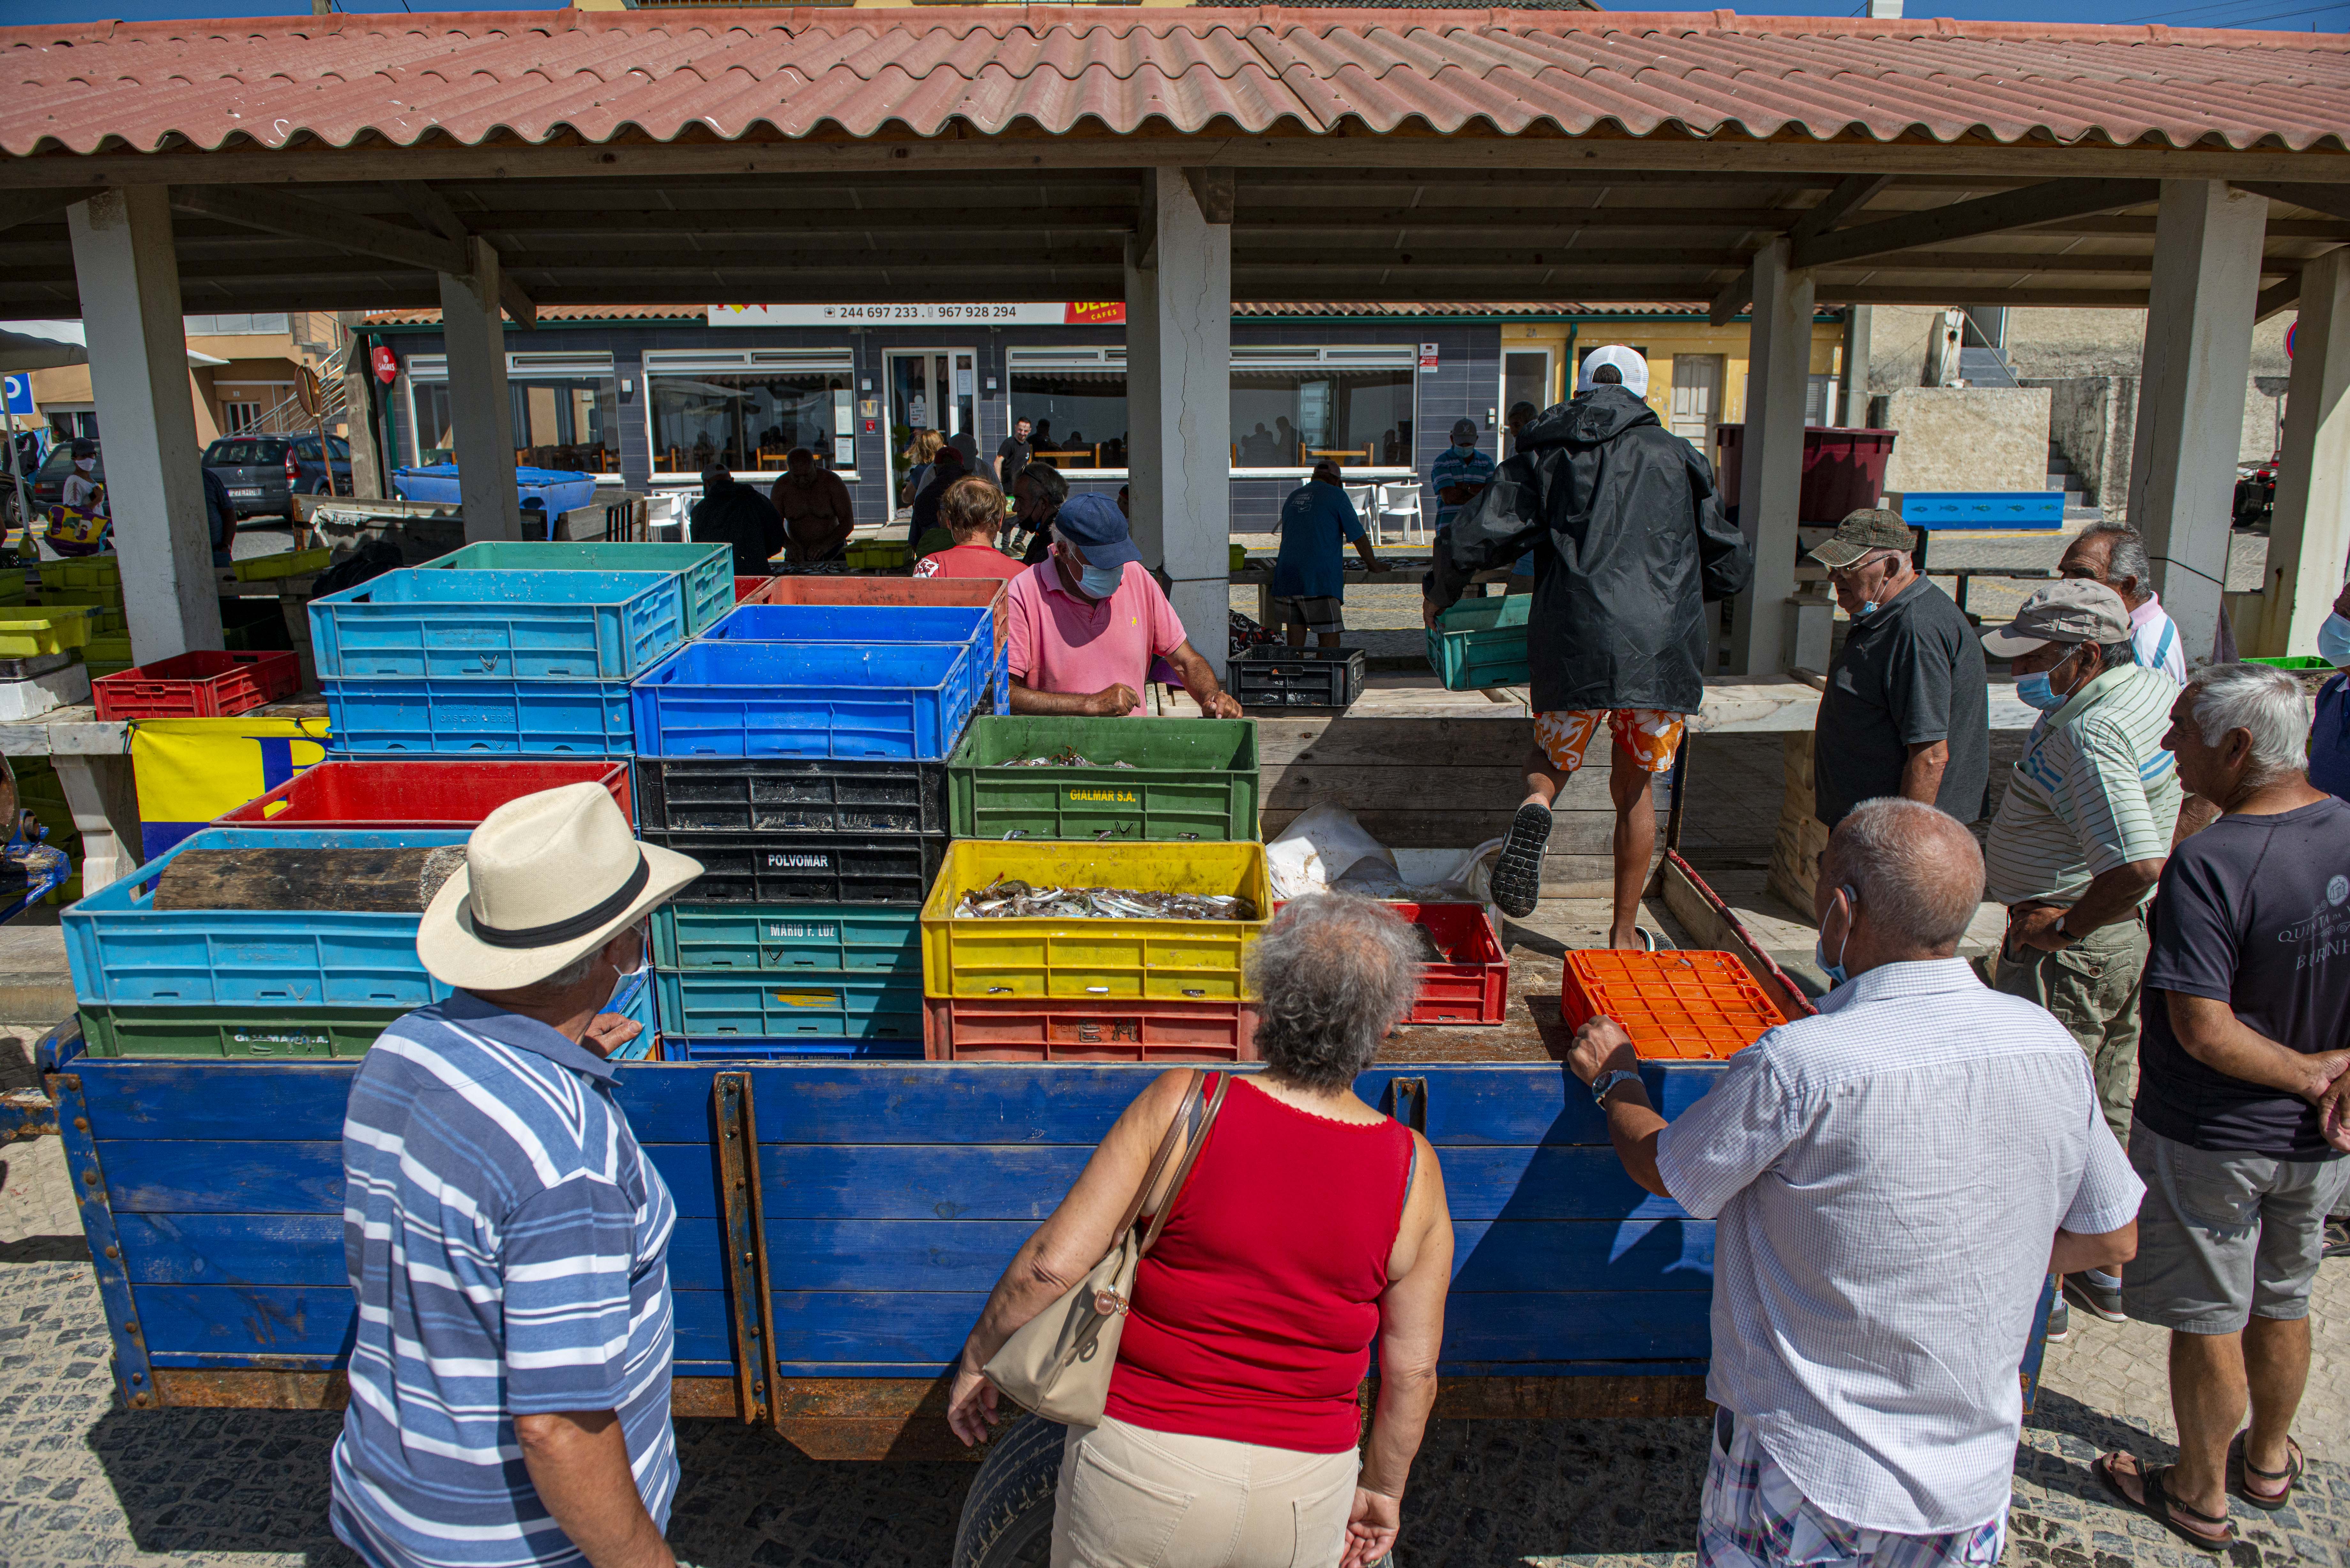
(1007, 1515)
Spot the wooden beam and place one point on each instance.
(1988, 215)
(2277, 298)
(305, 220)
(41, 205)
(1735, 297)
(1852, 193)
(1213, 190)
(2331, 200)
(433, 209)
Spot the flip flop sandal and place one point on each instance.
(1517, 872)
(2157, 1503)
(2267, 1503)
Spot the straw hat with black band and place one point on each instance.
(547, 878)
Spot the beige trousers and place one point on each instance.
(1132, 1498)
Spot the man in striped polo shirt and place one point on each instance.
(2081, 837)
(506, 1240)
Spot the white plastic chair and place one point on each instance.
(1360, 497)
(1400, 502)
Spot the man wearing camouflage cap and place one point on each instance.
(1907, 710)
(2081, 837)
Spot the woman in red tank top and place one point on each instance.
(1310, 1225)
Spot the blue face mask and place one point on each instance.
(2334, 641)
(1099, 582)
(1870, 608)
(1834, 971)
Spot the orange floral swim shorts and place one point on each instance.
(1649, 736)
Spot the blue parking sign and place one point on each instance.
(20, 394)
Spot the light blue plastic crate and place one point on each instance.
(872, 625)
(515, 717)
(124, 951)
(708, 569)
(499, 625)
(727, 699)
(803, 939)
(681, 1048)
(700, 1004)
(553, 491)
(1999, 509)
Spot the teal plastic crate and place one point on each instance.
(1481, 643)
(705, 1006)
(708, 569)
(804, 939)
(420, 623)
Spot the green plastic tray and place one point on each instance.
(1191, 778)
(1481, 643)
(708, 569)
(2296, 662)
(311, 1033)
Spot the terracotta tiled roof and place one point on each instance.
(539, 75)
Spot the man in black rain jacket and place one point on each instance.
(1629, 547)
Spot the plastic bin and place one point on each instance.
(1472, 985)
(1190, 778)
(1676, 1006)
(275, 1033)
(2000, 509)
(1481, 643)
(870, 626)
(202, 685)
(979, 593)
(283, 563)
(1174, 960)
(825, 699)
(83, 572)
(420, 622)
(2297, 663)
(518, 718)
(957, 1029)
(386, 795)
(747, 589)
(679, 1048)
(704, 1005)
(798, 938)
(28, 633)
(106, 597)
(124, 951)
(1276, 676)
(813, 868)
(553, 490)
(1844, 470)
(772, 796)
(708, 570)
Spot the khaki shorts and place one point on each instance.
(2222, 1238)
(1133, 1498)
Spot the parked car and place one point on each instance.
(2256, 492)
(265, 472)
(30, 459)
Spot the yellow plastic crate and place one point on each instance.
(27, 633)
(105, 648)
(102, 596)
(12, 588)
(83, 572)
(1194, 961)
(284, 564)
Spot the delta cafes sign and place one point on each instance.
(1086, 313)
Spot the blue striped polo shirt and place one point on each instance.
(508, 1243)
(1450, 468)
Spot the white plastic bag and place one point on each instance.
(1323, 845)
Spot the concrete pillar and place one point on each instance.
(129, 277)
(1858, 320)
(2309, 538)
(479, 406)
(1770, 460)
(1178, 360)
(2190, 407)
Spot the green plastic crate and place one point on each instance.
(313, 1033)
(1481, 643)
(2295, 662)
(107, 596)
(1190, 778)
(708, 569)
(810, 939)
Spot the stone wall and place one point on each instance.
(2092, 419)
(1967, 438)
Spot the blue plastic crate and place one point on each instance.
(124, 951)
(516, 718)
(499, 625)
(553, 491)
(682, 1048)
(700, 1004)
(728, 699)
(708, 569)
(2000, 509)
(871, 625)
(801, 939)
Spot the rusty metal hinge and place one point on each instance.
(736, 1130)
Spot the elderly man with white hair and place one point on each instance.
(1893, 1180)
(2243, 1101)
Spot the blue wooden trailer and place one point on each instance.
(841, 1223)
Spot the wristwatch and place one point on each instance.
(2065, 936)
(1602, 1086)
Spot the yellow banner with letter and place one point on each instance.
(190, 770)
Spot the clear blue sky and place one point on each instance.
(2297, 15)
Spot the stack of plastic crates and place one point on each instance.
(798, 753)
(1159, 805)
(94, 583)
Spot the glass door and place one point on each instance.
(1526, 378)
(930, 389)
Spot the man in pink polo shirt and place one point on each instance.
(1087, 620)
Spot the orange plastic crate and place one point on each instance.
(1676, 1006)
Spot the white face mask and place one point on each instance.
(86, 463)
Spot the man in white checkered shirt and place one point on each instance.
(1893, 1182)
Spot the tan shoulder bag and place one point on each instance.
(1058, 1362)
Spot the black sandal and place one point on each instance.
(2157, 1503)
(1517, 872)
(2267, 1503)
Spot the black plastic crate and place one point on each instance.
(768, 795)
(1297, 677)
(807, 868)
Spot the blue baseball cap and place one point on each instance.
(1092, 522)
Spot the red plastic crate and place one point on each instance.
(972, 593)
(1034, 1029)
(429, 792)
(747, 589)
(1676, 1006)
(203, 685)
(1473, 984)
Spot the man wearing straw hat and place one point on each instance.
(506, 1239)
